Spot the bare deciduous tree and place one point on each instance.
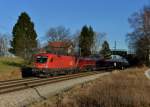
(59, 33)
(139, 38)
(99, 38)
(3, 45)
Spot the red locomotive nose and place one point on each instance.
(40, 66)
(41, 62)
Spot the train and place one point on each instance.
(53, 64)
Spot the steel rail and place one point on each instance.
(20, 85)
(16, 80)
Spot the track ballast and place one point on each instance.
(20, 84)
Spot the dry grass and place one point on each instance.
(10, 68)
(123, 89)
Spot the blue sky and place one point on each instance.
(110, 16)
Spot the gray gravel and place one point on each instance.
(28, 96)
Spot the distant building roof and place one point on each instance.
(41, 50)
(60, 44)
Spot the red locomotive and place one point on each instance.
(54, 64)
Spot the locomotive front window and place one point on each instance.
(41, 59)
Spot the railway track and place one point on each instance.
(20, 84)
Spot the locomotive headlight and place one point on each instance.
(46, 66)
(71, 63)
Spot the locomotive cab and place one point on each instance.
(41, 62)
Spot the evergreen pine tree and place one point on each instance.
(86, 39)
(24, 39)
(105, 51)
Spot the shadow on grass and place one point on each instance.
(26, 72)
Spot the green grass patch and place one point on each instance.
(8, 64)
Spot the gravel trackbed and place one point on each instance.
(24, 97)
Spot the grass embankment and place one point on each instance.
(10, 68)
(121, 89)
